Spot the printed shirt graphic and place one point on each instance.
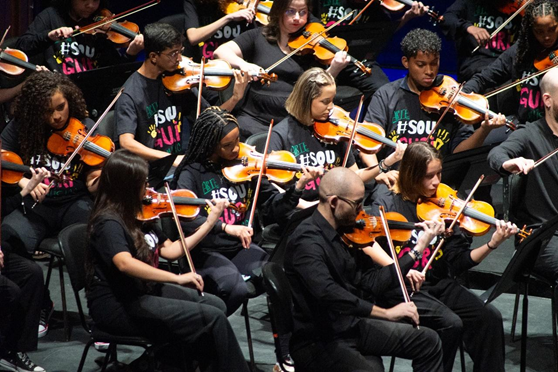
(299, 139)
(156, 119)
(75, 54)
(397, 109)
(490, 22)
(531, 106)
(330, 11)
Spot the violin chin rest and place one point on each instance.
(438, 81)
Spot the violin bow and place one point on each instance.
(314, 37)
(116, 17)
(82, 143)
(445, 112)
(202, 67)
(4, 36)
(505, 23)
(180, 232)
(459, 213)
(545, 158)
(262, 170)
(353, 133)
(385, 224)
(518, 81)
(361, 12)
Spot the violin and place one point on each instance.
(368, 228)
(369, 137)
(95, 150)
(14, 62)
(397, 5)
(323, 47)
(262, 9)
(469, 108)
(12, 167)
(120, 33)
(512, 6)
(547, 61)
(155, 205)
(280, 166)
(217, 75)
(477, 217)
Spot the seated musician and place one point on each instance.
(21, 290)
(537, 40)
(538, 198)
(257, 49)
(396, 106)
(469, 23)
(149, 122)
(228, 255)
(51, 33)
(442, 303)
(312, 100)
(335, 329)
(128, 295)
(47, 102)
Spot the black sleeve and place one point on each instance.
(246, 41)
(277, 206)
(512, 147)
(496, 74)
(10, 137)
(458, 253)
(126, 120)
(110, 240)
(35, 40)
(378, 109)
(190, 15)
(455, 23)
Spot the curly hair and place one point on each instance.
(32, 106)
(527, 44)
(420, 40)
(206, 134)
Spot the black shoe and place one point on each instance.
(44, 319)
(19, 362)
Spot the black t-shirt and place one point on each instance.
(299, 139)
(397, 109)
(265, 102)
(110, 237)
(67, 190)
(199, 15)
(157, 120)
(72, 55)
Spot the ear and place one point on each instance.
(547, 100)
(153, 57)
(405, 62)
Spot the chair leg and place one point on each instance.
(515, 311)
(462, 356)
(111, 355)
(67, 328)
(524, 318)
(554, 320)
(84, 354)
(392, 364)
(248, 335)
(49, 271)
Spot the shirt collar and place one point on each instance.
(404, 84)
(327, 230)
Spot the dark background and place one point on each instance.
(20, 13)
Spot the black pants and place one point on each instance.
(177, 315)
(21, 293)
(547, 263)
(222, 273)
(375, 338)
(458, 314)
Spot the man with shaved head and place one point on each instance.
(335, 329)
(517, 155)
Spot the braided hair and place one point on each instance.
(205, 136)
(527, 43)
(32, 105)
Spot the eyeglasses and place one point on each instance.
(293, 12)
(173, 55)
(357, 205)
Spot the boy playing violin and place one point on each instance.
(443, 304)
(396, 106)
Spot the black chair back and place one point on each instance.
(257, 140)
(279, 298)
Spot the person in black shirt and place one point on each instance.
(538, 38)
(51, 35)
(396, 106)
(127, 294)
(149, 122)
(21, 291)
(538, 201)
(228, 257)
(335, 329)
(469, 23)
(443, 304)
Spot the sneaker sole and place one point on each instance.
(41, 335)
(7, 366)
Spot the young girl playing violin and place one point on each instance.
(443, 304)
(127, 293)
(538, 40)
(312, 100)
(225, 256)
(47, 103)
(51, 33)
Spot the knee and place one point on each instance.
(492, 315)
(233, 293)
(431, 341)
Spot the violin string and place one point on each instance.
(518, 81)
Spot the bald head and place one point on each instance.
(340, 181)
(549, 82)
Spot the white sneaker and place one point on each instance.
(44, 319)
(101, 346)
(19, 362)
